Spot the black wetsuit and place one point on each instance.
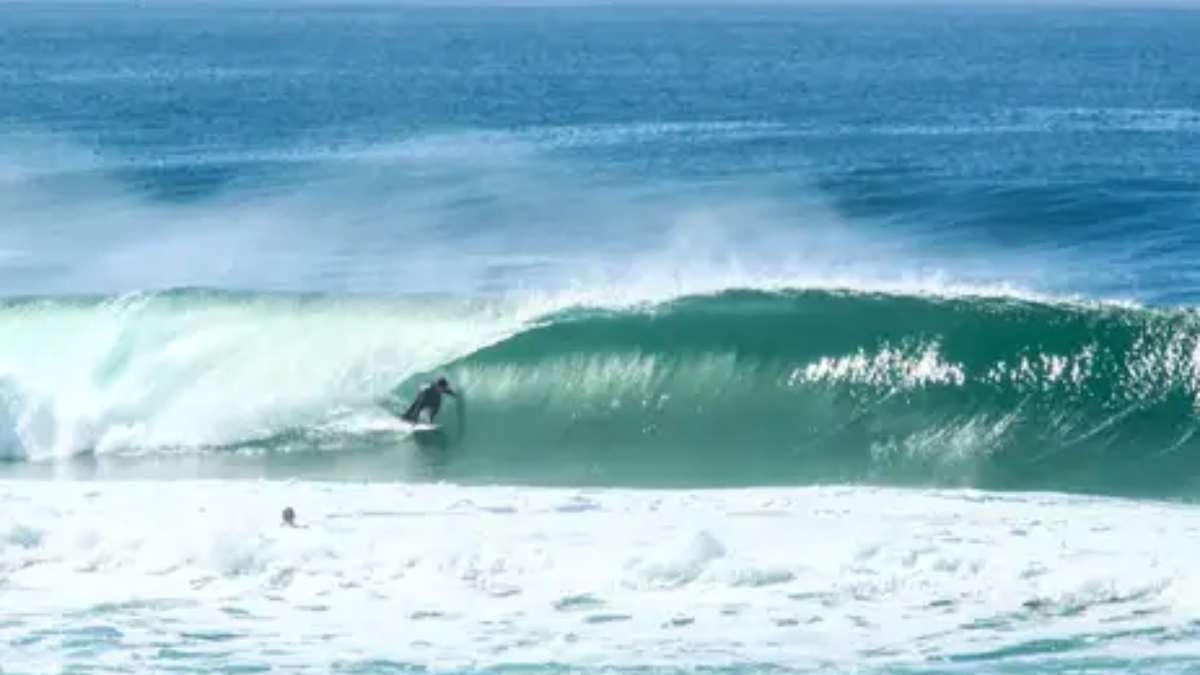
(428, 398)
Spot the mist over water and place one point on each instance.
(455, 213)
(817, 152)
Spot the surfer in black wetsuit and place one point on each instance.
(428, 398)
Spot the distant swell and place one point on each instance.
(739, 388)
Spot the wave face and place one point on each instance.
(801, 387)
(737, 388)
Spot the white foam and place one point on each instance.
(156, 372)
(844, 578)
(903, 367)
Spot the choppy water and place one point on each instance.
(769, 323)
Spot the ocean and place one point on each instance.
(789, 338)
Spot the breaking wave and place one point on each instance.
(743, 387)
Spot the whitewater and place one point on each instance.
(553, 580)
(789, 339)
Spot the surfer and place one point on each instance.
(428, 398)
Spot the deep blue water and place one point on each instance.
(342, 149)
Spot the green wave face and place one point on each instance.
(738, 388)
(749, 388)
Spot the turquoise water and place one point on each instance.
(739, 388)
(779, 329)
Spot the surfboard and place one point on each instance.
(428, 435)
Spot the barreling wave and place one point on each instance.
(738, 388)
(799, 387)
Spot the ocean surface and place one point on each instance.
(790, 339)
